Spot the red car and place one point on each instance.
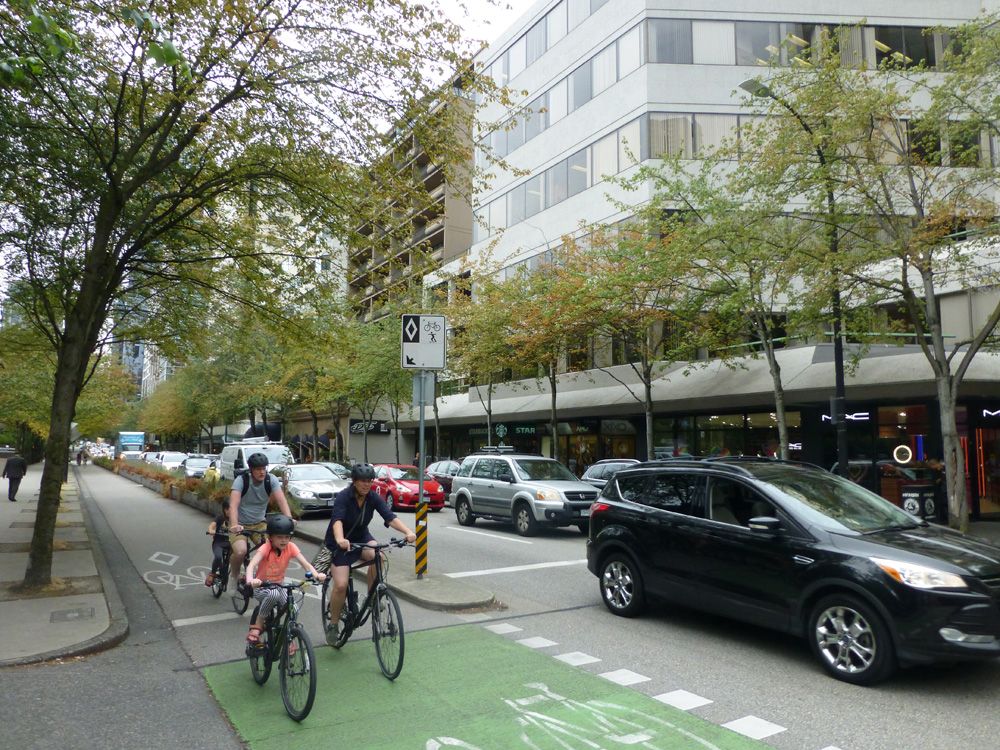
(398, 484)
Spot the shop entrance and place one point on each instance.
(988, 470)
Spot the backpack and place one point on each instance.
(247, 480)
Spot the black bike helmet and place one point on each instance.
(362, 471)
(256, 461)
(280, 525)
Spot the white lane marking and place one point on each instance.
(753, 727)
(204, 618)
(494, 536)
(537, 642)
(831, 747)
(474, 617)
(515, 568)
(577, 658)
(503, 627)
(682, 699)
(625, 677)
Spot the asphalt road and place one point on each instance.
(152, 690)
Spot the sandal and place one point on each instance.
(292, 648)
(210, 579)
(253, 637)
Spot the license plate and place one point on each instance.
(585, 512)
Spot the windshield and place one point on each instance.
(337, 469)
(276, 454)
(541, 469)
(835, 503)
(197, 463)
(174, 456)
(311, 473)
(407, 474)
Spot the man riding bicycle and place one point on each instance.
(248, 501)
(353, 509)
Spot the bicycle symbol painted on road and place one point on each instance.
(195, 576)
(595, 724)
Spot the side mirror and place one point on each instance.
(765, 524)
(508, 478)
(238, 463)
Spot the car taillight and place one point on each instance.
(598, 507)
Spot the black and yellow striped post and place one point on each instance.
(421, 532)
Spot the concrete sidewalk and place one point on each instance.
(82, 611)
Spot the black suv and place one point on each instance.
(800, 550)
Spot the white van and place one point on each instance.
(233, 459)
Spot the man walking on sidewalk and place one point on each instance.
(15, 469)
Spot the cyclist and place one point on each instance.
(251, 493)
(272, 560)
(220, 541)
(353, 509)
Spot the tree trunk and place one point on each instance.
(553, 419)
(954, 457)
(650, 448)
(315, 423)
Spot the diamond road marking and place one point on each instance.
(164, 558)
(682, 699)
(625, 677)
(577, 658)
(502, 628)
(754, 728)
(537, 642)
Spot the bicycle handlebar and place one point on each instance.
(380, 545)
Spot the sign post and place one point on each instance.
(423, 348)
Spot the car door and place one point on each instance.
(482, 486)
(750, 575)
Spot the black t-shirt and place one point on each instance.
(346, 510)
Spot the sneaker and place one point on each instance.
(332, 633)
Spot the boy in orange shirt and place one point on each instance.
(272, 559)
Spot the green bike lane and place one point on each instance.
(461, 687)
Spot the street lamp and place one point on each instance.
(837, 403)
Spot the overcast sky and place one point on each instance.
(483, 20)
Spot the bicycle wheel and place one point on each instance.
(387, 632)
(260, 655)
(346, 626)
(241, 597)
(324, 603)
(298, 673)
(219, 584)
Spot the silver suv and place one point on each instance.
(531, 491)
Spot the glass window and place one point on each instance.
(679, 493)
(558, 101)
(964, 143)
(480, 232)
(536, 119)
(605, 158)
(629, 52)
(515, 206)
(756, 43)
(596, 5)
(579, 87)
(555, 22)
(518, 55)
(557, 183)
(919, 46)
(484, 468)
(668, 41)
(851, 40)
(498, 214)
(889, 45)
(711, 131)
(629, 142)
(534, 195)
(925, 143)
(498, 139)
(605, 69)
(498, 71)
(515, 134)
(713, 42)
(577, 11)
(798, 41)
(629, 488)
(670, 134)
(535, 41)
(579, 171)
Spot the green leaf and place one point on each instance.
(39, 24)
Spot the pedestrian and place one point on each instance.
(416, 459)
(15, 469)
(79, 457)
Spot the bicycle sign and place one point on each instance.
(424, 342)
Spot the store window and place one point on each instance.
(757, 43)
(720, 435)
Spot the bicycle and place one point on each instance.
(241, 599)
(380, 604)
(221, 581)
(284, 639)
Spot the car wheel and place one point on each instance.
(463, 512)
(851, 640)
(390, 500)
(621, 586)
(524, 520)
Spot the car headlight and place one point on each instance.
(306, 494)
(548, 495)
(919, 576)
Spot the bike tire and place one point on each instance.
(219, 584)
(298, 673)
(241, 599)
(324, 602)
(260, 655)
(387, 632)
(346, 619)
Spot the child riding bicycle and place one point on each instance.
(273, 559)
(220, 541)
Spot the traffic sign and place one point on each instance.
(424, 342)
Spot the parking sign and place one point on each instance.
(424, 342)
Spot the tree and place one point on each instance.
(141, 151)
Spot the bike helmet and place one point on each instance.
(256, 461)
(362, 471)
(280, 525)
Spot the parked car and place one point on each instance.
(311, 486)
(342, 471)
(531, 491)
(802, 551)
(398, 485)
(443, 473)
(170, 460)
(600, 472)
(195, 466)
